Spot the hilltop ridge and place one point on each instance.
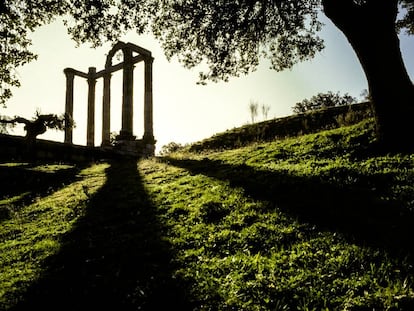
(290, 126)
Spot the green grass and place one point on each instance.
(32, 232)
(318, 222)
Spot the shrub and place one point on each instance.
(170, 148)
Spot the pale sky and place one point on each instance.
(184, 112)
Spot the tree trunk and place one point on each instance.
(370, 29)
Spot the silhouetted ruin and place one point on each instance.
(125, 142)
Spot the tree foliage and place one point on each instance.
(230, 36)
(407, 20)
(323, 100)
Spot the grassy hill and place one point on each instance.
(316, 222)
(294, 125)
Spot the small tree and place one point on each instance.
(253, 108)
(170, 148)
(265, 111)
(323, 100)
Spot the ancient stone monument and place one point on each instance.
(125, 142)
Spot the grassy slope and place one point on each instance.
(311, 223)
(294, 125)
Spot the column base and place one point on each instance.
(134, 148)
(149, 139)
(125, 136)
(106, 144)
(129, 147)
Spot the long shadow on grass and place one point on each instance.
(356, 212)
(114, 259)
(27, 182)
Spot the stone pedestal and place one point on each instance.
(129, 147)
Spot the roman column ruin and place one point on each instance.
(132, 54)
(148, 128)
(106, 110)
(70, 75)
(90, 125)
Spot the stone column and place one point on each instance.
(90, 134)
(148, 127)
(106, 110)
(70, 75)
(127, 97)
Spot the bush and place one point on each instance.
(170, 148)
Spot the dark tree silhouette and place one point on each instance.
(40, 124)
(370, 28)
(323, 100)
(230, 37)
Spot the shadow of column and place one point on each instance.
(115, 257)
(28, 182)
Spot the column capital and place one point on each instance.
(107, 75)
(69, 72)
(92, 75)
(149, 59)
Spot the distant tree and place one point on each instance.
(253, 109)
(323, 100)
(265, 111)
(39, 124)
(230, 36)
(170, 148)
